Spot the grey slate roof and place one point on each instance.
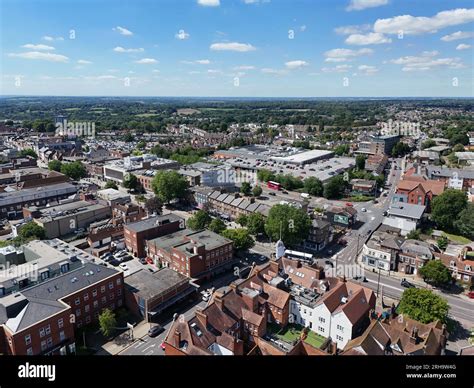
(72, 281)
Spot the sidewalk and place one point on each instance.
(122, 341)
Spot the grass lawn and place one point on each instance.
(458, 239)
(292, 333)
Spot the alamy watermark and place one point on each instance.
(401, 128)
(75, 128)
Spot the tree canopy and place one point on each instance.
(423, 305)
(436, 273)
(294, 224)
(169, 185)
(445, 208)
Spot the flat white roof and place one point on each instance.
(305, 156)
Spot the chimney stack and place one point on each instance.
(202, 318)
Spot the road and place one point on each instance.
(147, 346)
(390, 286)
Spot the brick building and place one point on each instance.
(137, 233)
(194, 254)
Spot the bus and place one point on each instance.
(273, 185)
(298, 255)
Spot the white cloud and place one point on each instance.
(155, 71)
(268, 70)
(52, 38)
(457, 35)
(182, 35)
(83, 62)
(358, 5)
(366, 39)
(41, 47)
(296, 64)
(343, 55)
(197, 62)
(337, 69)
(214, 71)
(41, 56)
(303, 28)
(123, 31)
(120, 49)
(209, 3)
(354, 29)
(421, 25)
(146, 61)
(367, 70)
(99, 77)
(463, 46)
(244, 67)
(426, 61)
(232, 46)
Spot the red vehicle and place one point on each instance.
(471, 294)
(273, 185)
(349, 204)
(149, 260)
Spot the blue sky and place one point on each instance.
(274, 48)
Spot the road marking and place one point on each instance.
(149, 347)
(140, 343)
(150, 353)
(385, 285)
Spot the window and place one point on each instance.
(94, 292)
(77, 301)
(119, 281)
(41, 332)
(29, 351)
(48, 330)
(78, 312)
(86, 308)
(340, 328)
(49, 342)
(111, 285)
(104, 300)
(339, 338)
(322, 320)
(96, 304)
(28, 339)
(102, 289)
(111, 296)
(60, 323)
(88, 319)
(119, 292)
(62, 336)
(43, 345)
(86, 297)
(321, 329)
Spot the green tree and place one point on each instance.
(360, 162)
(442, 242)
(313, 186)
(465, 222)
(31, 231)
(255, 223)
(436, 273)
(154, 205)
(199, 221)
(246, 189)
(265, 175)
(335, 188)
(294, 224)
(458, 148)
(242, 220)
(169, 185)
(111, 185)
(423, 305)
(342, 149)
(414, 234)
(131, 182)
(74, 170)
(400, 149)
(217, 226)
(28, 152)
(55, 165)
(428, 144)
(107, 322)
(241, 238)
(128, 137)
(446, 208)
(257, 191)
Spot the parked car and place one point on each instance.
(272, 194)
(156, 330)
(123, 266)
(163, 346)
(114, 262)
(406, 284)
(126, 258)
(471, 294)
(363, 210)
(142, 260)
